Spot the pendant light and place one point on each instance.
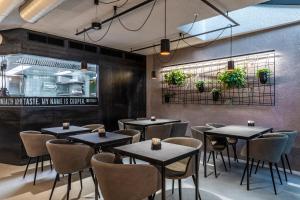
(165, 43)
(83, 64)
(230, 65)
(153, 73)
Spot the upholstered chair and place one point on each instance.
(158, 131)
(269, 149)
(35, 146)
(184, 168)
(69, 158)
(213, 146)
(94, 127)
(121, 123)
(130, 182)
(179, 129)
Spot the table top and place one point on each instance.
(243, 132)
(148, 122)
(59, 131)
(169, 153)
(93, 139)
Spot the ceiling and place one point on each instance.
(77, 14)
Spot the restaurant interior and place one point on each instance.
(149, 99)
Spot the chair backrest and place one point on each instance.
(141, 118)
(130, 182)
(188, 162)
(69, 157)
(215, 125)
(198, 132)
(135, 134)
(121, 123)
(292, 134)
(158, 131)
(179, 129)
(268, 148)
(94, 127)
(35, 142)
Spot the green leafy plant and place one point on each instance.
(215, 94)
(263, 70)
(176, 77)
(234, 78)
(200, 85)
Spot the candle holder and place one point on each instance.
(156, 144)
(101, 132)
(251, 123)
(66, 125)
(153, 118)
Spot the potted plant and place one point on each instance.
(168, 96)
(233, 78)
(176, 77)
(215, 94)
(263, 74)
(200, 86)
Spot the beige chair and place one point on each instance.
(121, 123)
(94, 127)
(179, 129)
(184, 168)
(268, 148)
(35, 146)
(69, 158)
(130, 182)
(214, 145)
(158, 131)
(135, 134)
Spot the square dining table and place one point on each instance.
(168, 154)
(60, 132)
(236, 131)
(96, 142)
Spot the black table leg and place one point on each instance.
(247, 164)
(96, 189)
(204, 159)
(163, 183)
(197, 176)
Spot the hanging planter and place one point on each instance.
(263, 75)
(168, 97)
(176, 77)
(235, 78)
(200, 86)
(215, 94)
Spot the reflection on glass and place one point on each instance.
(36, 76)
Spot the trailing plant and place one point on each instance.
(233, 78)
(176, 77)
(263, 70)
(200, 85)
(215, 91)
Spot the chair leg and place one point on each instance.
(28, 163)
(252, 162)
(257, 167)
(223, 161)
(80, 177)
(228, 156)
(42, 163)
(194, 180)
(276, 166)
(69, 185)
(283, 165)
(288, 162)
(130, 160)
(243, 175)
(208, 157)
(180, 189)
(235, 154)
(36, 168)
(215, 167)
(271, 171)
(262, 165)
(50, 163)
(93, 177)
(173, 183)
(134, 161)
(54, 184)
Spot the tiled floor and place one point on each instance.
(226, 186)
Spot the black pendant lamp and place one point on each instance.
(230, 64)
(83, 64)
(165, 43)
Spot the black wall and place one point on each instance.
(122, 91)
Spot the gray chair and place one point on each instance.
(158, 131)
(268, 148)
(179, 129)
(213, 146)
(184, 168)
(35, 146)
(69, 158)
(121, 123)
(130, 182)
(94, 127)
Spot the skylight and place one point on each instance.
(251, 19)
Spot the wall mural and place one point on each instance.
(251, 82)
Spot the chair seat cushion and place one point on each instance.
(176, 169)
(232, 140)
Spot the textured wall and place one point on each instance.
(284, 115)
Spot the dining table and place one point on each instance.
(168, 154)
(144, 123)
(239, 132)
(61, 132)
